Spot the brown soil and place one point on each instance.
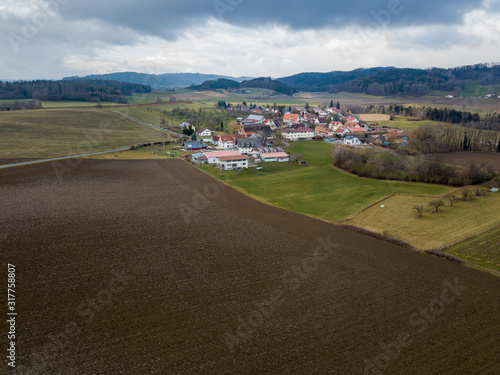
(465, 158)
(191, 287)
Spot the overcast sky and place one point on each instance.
(58, 38)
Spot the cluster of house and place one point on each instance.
(234, 151)
(256, 135)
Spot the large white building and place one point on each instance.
(303, 133)
(228, 160)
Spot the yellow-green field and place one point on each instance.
(403, 123)
(434, 230)
(482, 250)
(61, 132)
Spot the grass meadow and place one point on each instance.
(321, 190)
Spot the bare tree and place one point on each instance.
(436, 204)
(419, 210)
(452, 198)
(466, 193)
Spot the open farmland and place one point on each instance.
(122, 280)
(40, 134)
(492, 159)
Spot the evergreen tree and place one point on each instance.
(331, 103)
(338, 104)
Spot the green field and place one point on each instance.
(433, 230)
(482, 250)
(321, 190)
(61, 132)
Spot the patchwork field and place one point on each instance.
(154, 267)
(41, 134)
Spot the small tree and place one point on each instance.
(436, 204)
(452, 199)
(419, 210)
(466, 193)
(98, 106)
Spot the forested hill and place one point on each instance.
(395, 81)
(259, 83)
(71, 90)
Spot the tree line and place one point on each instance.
(18, 106)
(71, 90)
(393, 166)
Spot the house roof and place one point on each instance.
(194, 145)
(279, 155)
(218, 154)
(356, 129)
(290, 116)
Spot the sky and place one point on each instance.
(51, 39)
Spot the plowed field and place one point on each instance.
(139, 267)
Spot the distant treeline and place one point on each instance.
(258, 83)
(393, 81)
(71, 90)
(392, 166)
(18, 106)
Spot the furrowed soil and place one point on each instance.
(123, 267)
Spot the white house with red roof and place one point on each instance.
(334, 125)
(274, 156)
(202, 132)
(228, 141)
(228, 160)
(351, 119)
(290, 118)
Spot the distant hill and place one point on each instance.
(167, 81)
(258, 83)
(388, 81)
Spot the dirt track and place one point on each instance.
(112, 279)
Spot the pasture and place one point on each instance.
(434, 230)
(321, 190)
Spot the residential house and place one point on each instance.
(356, 129)
(341, 130)
(194, 146)
(351, 141)
(246, 145)
(248, 130)
(229, 141)
(290, 118)
(202, 132)
(334, 125)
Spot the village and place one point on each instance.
(262, 140)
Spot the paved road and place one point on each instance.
(145, 123)
(61, 158)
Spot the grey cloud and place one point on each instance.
(167, 19)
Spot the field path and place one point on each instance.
(153, 267)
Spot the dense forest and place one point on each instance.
(71, 90)
(394, 81)
(257, 83)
